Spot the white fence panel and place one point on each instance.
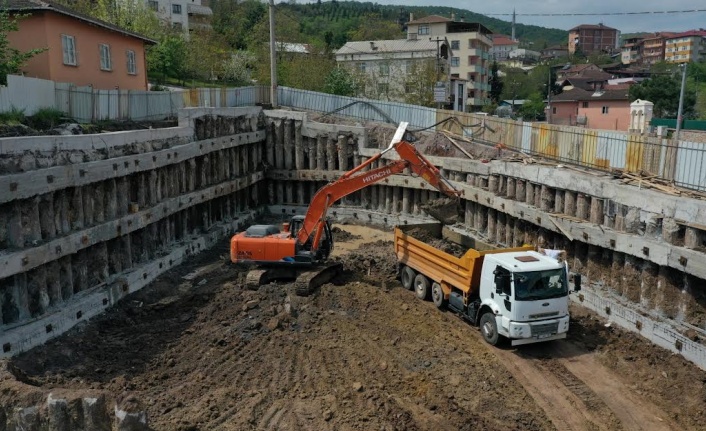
(612, 147)
(28, 94)
(691, 165)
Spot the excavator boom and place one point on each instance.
(357, 179)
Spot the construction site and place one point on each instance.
(122, 307)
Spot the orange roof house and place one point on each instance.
(80, 50)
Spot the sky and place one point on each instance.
(624, 23)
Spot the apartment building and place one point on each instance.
(470, 44)
(593, 39)
(631, 51)
(653, 48)
(685, 47)
(187, 15)
(400, 70)
(502, 46)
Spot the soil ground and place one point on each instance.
(202, 353)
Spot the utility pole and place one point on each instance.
(273, 57)
(675, 140)
(438, 40)
(549, 96)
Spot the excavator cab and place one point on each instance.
(303, 252)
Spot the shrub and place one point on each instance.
(46, 118)
(13, 116)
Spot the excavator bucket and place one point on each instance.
(446, 210)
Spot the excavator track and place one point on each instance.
(256, 278)
(308, 281)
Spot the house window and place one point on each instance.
(68, 45)
(408, 88)
(131, 64)
(361, 67)
(176, 9)
(384, 69)
(604, 110)
(455, 61)
(177, 26)
(423, 29)
(106, 64)
(455, 44)
(553, 109)
(584, 105)
(383, 88)
(153, 4)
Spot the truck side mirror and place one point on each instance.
(577, 282)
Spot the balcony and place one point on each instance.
(475, 68)
(476, 52)
(197, 9)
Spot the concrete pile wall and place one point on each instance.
(86, 220)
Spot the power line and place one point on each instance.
(664, 12)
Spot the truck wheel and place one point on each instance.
(489, 329)
(437, 296)
(407, 277)
(421, 286)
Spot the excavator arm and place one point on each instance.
(355, 180)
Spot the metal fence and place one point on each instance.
(684, 163)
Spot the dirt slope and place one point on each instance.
(361, 354)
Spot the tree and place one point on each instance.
(533, 108)
(168, 58)
(663, 91)
(372, 27)
(496, 84)
(419, 84)
(340, 82)
(11, 59)
(236, 69)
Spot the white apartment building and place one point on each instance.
(396, 70)
(188, 15)
(470, 44)
(502, 46)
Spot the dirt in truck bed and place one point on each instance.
(202, 353)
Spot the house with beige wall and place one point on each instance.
(79, 49)
(470, 43)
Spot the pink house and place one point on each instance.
(605, 108)
(79, 49)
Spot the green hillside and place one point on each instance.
(337, 22)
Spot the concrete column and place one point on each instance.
(569, 203)
(389, 199)
(396, 199)
(298, 146)
(559, 201)
(46, 216)
(500, 227)
(582, 206)
(547, 199)
(510, 188)
(424, 195)
(88, 195)
(468, 213)
(596, 215)
(520, 190)
(694, 238)
(331, 156)
(279, 143)
(300, 193)
(111, 199)
(529, 193)
(382, 198)
(480, 220)
(670, 298)
(342, 150)
(321, 152)
(311, 152)
(416, 200)
(248, 167)
(38, 297)
(407, 195)
(61, 212)
(373, 197)
(502, 185)
(493, 181)
(279, 187)
(289, 192)
(66, 279)
(270, 145)
(616, 273)
(492, 223)
(289, 144)
(509, 230)
(633, 279)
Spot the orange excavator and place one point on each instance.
(298, 252)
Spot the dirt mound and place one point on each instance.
(446, 210)
(440, 243)
(340, 235)
(374, 262)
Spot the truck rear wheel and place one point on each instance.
(489, 328)
(407, 277)
(421, 286)
(437, 296)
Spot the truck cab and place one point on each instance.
(524, 296)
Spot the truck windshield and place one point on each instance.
(530, 286)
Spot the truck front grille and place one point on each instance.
(544, 328)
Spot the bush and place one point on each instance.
(46, 118)
(13, 116)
